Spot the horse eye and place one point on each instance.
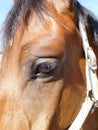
(45, 67)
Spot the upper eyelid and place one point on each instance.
(43, 60)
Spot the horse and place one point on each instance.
(43, 82)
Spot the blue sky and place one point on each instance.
(5, 6)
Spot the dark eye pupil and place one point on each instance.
(45, 68)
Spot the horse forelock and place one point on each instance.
(20, 12)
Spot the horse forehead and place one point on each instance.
(48, 28)
(45, 28)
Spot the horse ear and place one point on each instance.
(63, 5)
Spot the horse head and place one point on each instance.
(42, 80)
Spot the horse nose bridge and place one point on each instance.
(9, 87)
(10, 77)
(12, 115)
(13, 111)
(9, 83)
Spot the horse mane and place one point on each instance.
(90, 20)
(21, 12)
